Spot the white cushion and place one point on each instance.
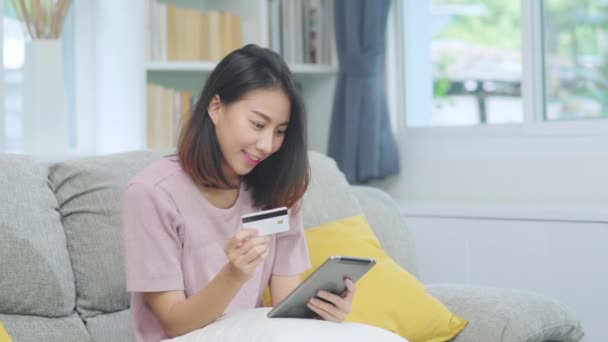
(254, 326)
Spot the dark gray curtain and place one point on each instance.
(361, 140)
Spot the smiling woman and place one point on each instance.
(189, 260)
(250, 108)
(249, 130)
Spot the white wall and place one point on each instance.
(119, 75)
(318, 96)
(565, 261)
(500, 207)
(502, 167)
(108, 76)
(84, 76)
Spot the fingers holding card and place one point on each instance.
(268, 222)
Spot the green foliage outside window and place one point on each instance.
(576, 39)
(498, 27)
(578, 31)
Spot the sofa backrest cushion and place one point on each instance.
(385, 219)
(36, 274)
(329, 196)
(89, 192)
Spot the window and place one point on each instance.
(488, 62)
(13, 52)
(575, 59)
(476, 62)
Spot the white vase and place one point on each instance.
(44, 126)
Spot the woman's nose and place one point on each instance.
(265, 141)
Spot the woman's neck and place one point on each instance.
(222, 198)
(218, 185)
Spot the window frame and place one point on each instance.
(411, 51)
(2, 117)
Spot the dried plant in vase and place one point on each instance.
(44, 107)
(43, 19)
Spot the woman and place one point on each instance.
(188, 260)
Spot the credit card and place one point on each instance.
(268, 221)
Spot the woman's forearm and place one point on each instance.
(204, 307)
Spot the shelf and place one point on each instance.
(278, 24)
(181, 66)
(306, 69)
(202, 66)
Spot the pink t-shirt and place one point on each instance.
(174, 240)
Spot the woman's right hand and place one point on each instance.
(245, 251)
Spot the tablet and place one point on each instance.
(328, 277)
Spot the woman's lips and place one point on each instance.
(250, 160)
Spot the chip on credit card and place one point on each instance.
(268, 222)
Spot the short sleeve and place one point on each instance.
(291, 256)
(153, 248)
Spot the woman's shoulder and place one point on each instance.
(158, 172)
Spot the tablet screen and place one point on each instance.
(328, 277)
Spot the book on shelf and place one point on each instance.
(183, 34)
(168, 110)
(302, 31)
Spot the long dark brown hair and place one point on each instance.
(282, 178)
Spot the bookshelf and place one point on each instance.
(207, 66)
(298, 29)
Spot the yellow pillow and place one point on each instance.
(387, 296)
(4, 335)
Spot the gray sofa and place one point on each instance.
(61, 258)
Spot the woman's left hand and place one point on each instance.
(337, 307)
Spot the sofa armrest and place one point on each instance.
(508, 315)
(384, 218)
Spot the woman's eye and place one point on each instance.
(257, 125)
(281, 132)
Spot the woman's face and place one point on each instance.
(251, 129)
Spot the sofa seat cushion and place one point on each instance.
(35, 328)
(89, 192)
(111, 327)
(37, 276)
(387, 296)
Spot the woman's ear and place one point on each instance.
(215, 109)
